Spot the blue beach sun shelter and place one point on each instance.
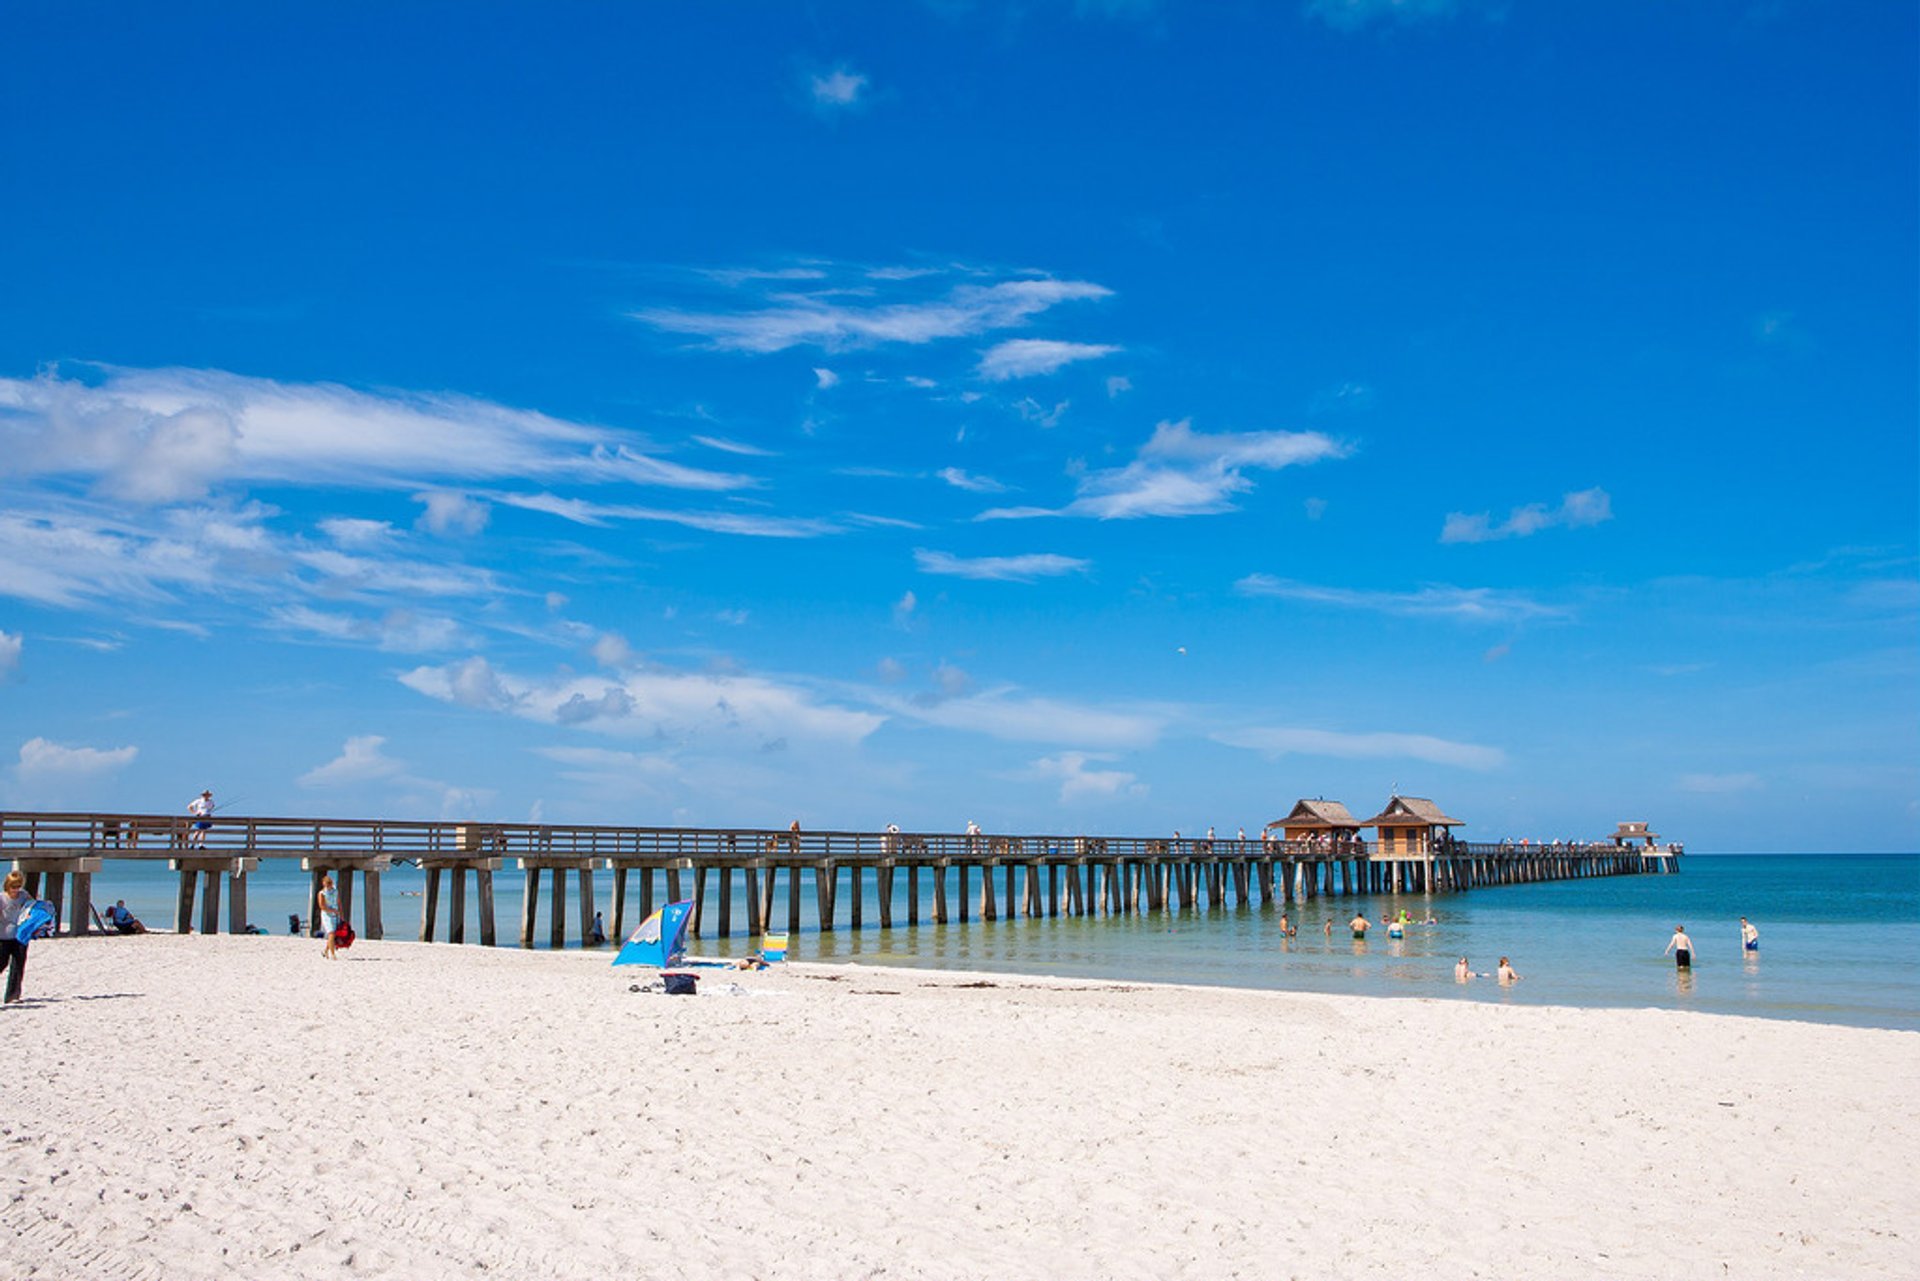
(661, 939)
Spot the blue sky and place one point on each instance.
(1067, 416)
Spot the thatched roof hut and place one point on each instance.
(1411, 825)
(1314, 817)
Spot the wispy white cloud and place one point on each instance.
(1181, 472)
(1018, 569)
(402, 631)
(1078, 782)
(726, 446)
(448, 511)
(1118, 385)
(581, 511)
(357, 534)
(1467, 604)
(825, 379)
(11, 647)
(1279, 741)
(1717, 784)
(43, 761)
(649, 702)
(167, 435)
(1027, 357)
(1576, 511)
(1354, 15)
(361, 760)
(972, 484)
(604, 771)
(838, 89)
(1009, 715)
(838, 320)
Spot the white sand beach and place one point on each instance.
(222, 1107)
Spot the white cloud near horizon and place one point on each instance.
(42, 760)
(1279, 741)
(361, 760)
(1579, 510)
(1029, 357)
(1467, 604)
(1012, 569)
(1181, 472)
(168, 435)
(832, 320)
(1080, 783)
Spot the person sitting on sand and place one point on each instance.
(1359, 925)
(1462, 971)
(124, 921)
(1682, 948)
(1505, 972)
(1749, 936)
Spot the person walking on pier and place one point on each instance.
(1682, 948)
(1749, 936)
(201, 810)
(329, 915)
(14, 902)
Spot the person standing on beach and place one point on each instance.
(14, 902)
(1682, 948)
(201, 809)
(1749, 936)
(329, 915)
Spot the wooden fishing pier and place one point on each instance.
(992, 875)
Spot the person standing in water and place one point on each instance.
(1749, 936)
(1359, 925)
(1682, 948)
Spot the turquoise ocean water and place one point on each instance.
(1840, 937)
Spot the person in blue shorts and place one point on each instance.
(1749, 937)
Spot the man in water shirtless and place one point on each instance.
(1682, 948)
(1359, 925)
(1749, 936)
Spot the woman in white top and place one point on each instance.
(14, 902)
(329, 915)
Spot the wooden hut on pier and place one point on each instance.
(1627, 835)
(1319, 822)
(1410, 827)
